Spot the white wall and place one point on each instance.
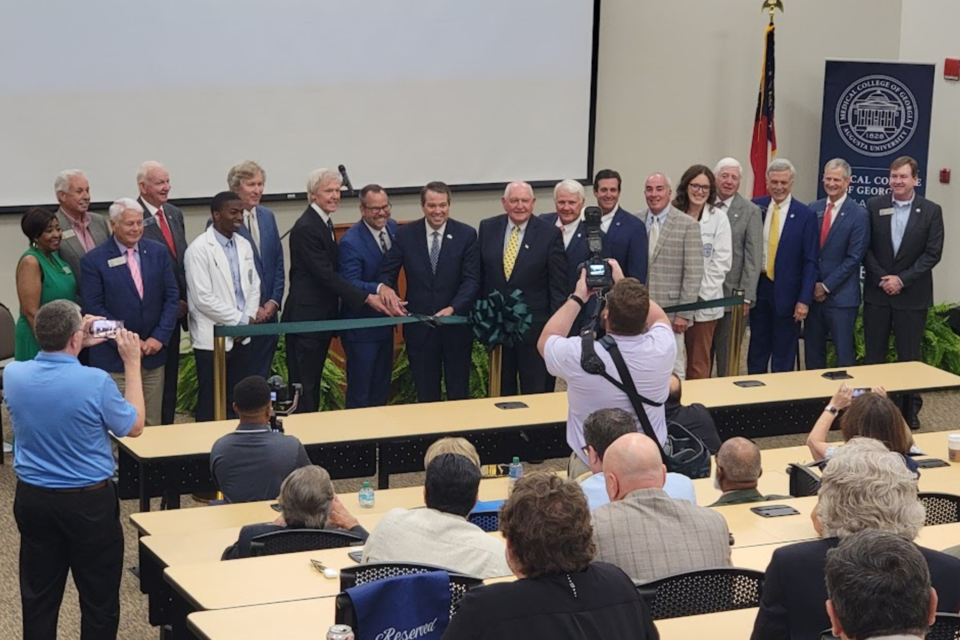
(929, 34)
(677, 86)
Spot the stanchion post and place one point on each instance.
(736, 335)
(219, 378)
(496, 369)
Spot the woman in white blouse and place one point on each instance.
(696, 190)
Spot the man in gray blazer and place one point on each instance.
(676, 259)
(82, 230)
(746, 226)
(164, 223)
(645, 532)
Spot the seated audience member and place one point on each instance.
(644, 531)
(864, 487)
(440, 534)
(694, 417)
(307, 501)
(879, 587)
(560, 593)
(460, 446)
(738, 470)
(600, 430)
(871, 415)
(249, 464)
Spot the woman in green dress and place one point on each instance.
(41, 276)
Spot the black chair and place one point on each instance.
(8, 339)
(941, 508)
(294, 540)
(486, 520)
(803, 481)
(946, 626)
(705, 591)
(365, 573)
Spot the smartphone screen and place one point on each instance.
(105, 328)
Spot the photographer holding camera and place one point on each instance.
(642, 333)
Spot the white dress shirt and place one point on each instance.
(569, 230)
(376, 235)
(323, 214)
(442, 231)
(835, 210)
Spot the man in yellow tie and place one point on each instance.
(520, 251)
(790, 272)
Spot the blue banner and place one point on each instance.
(873, 113)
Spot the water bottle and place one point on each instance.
(366, 496)
(516, 472)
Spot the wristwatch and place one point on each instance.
(831, 409)
(576, 299)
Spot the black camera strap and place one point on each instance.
(627, 385)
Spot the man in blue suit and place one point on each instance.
(441, 261)
(247, 180)
(785, 290)
(369, 351)
(844, 239)
(624, 234)
(568, 197)
(132, 279)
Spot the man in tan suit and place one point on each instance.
(82, 230)
(676, 259)
(644, 531)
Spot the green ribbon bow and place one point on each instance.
(501, 320)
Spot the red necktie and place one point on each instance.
(165, 230)
(825, 228)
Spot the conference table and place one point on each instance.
(309, 620)
(183, 546)
(174, 459)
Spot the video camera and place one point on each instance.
(599, 271)
(284, 399)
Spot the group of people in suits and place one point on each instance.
(795, 263)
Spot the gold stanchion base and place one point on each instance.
(496, 369)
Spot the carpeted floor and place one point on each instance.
(940, 413)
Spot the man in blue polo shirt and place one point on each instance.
(66, 506)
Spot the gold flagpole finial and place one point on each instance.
(771, 6)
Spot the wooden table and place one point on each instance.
(176, 457)
(237, 515)
(309, 620)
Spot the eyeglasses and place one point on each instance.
(702, 188)
(384, 209)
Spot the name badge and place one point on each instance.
(886, 212)
(67, 270)
(149, 221)
(69, 233)
(116, 262)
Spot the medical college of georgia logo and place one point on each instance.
(876, 115)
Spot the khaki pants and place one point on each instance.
(152, 393)
(680, 364)
(576, 467)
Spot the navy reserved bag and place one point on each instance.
(402, 608)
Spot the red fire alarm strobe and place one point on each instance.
(951, 69)
(944, 176)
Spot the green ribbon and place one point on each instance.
(501, 320)
(504, 320)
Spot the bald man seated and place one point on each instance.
(644, 531)
(738, 471)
